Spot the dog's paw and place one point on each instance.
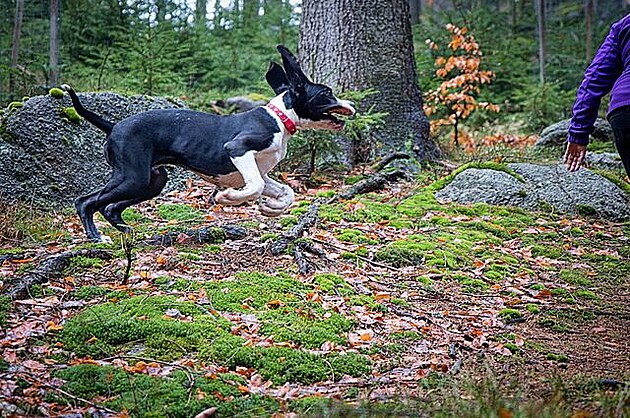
(272, 208)
(233, 197)
(101, 239)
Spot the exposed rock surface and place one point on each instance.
(604, 160)
(47, 161)
(543, 188)
(556, 134)
(244, 103)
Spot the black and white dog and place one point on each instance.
(235, 151)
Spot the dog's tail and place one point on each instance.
(96, 120)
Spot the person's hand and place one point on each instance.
(574, 156)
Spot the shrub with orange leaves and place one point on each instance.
(459, 68)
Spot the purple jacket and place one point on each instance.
(609, 72)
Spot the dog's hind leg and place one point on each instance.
(124, 185)
(113, 211)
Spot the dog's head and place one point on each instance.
(315, 104)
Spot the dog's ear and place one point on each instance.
(277, 78)
(294, 73)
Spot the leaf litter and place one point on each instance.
(415, 321)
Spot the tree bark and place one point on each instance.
(414, 11)
(367, 44)
(588, 14)
(15, 46)
(201, 10)
(54, 42)
(542, 49)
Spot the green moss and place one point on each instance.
(333, 284)
(514, 349)
(350, 180)
(211, 248)
(509, 313)
(288, 221)
(5, 306)
(616, 178)
(560, 358)
(308, 329)
(84, 263)
(93, 292)
(71, 115)
(585, 210)
(574, 277)
(179, 212)
(425, 281)
(451, 248)
(143, 395)
(15, 105)
(354, 236)
(532, 308)
(270, 236)
(327, 193)
(118, 326)
(586, 294)
(487, 165)
(549, 251)
(56, 93)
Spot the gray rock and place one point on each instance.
(545, 187)
(244, 103)
(47, 161)
(556, 134)
(604, 160)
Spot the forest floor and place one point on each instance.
(416, 309)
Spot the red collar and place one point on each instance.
(286, 121)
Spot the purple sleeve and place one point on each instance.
(599, 79)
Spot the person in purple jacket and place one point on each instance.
(609, 72)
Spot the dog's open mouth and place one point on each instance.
(331, 116)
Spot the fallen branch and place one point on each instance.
(371, 183)
(206, 235)
(375, 181)
(51, 268)
(306, 221)
(389, 158)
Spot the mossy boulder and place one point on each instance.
(48, 161)
(548, 188)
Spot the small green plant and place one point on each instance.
(56, 93)
(70, 114)
(509, 313)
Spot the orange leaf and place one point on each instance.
(51, 326)
(275, 304)
(504, 413)
(382, 296)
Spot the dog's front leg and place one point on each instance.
(254, 183)
(278, 197)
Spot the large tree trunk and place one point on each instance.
(54, 42)
(201, 9)
(414, 11)
(362, 44)
(15, 46)
(588, 16)
(542, 48)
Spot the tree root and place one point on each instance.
(206, 235)
(51, 268)
(292, 237)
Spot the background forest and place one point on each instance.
(203, 50)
